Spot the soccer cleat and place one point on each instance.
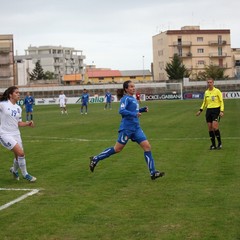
(92, 164)
(15, 174)
(219, 147)
(157, 174)
(30, 178)
(212, 147)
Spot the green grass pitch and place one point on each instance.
(197, 199)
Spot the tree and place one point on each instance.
(37, 72)
(211, 71)
(176, 69)
(49, 75)
(215, 72)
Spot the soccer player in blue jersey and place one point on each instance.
(10, 137)
(129, 129)
(108, 103)
(28, 103)
(85, 99)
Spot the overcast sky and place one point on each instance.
(112, 34)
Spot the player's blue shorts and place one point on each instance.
(136, 136)
(29, 108)
(84, 103)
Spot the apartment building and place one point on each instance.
(7, 77)
(197, 49)
(236, 61)
(57, 59)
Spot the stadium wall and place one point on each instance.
(149, 91)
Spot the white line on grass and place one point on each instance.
(32, 192)
(39, 138)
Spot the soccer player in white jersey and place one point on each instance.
(10, 137)
(62, 102)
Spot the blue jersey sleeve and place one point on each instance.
(123, 109)
(143, 109)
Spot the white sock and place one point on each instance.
(15, 165)
(22, 165)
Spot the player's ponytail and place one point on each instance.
(7, 93)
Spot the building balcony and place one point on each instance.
(57, 55)
(5, 49)
(217, 43)
(57, 64)
(185, 55)
(6, 74)
(81, 57)
(217, 55)
(183, 44)
(189, 54)
(5, 61)
(221, 65)
(188, 67)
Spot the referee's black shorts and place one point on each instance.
(212, 114)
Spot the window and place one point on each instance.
(161, 65)
(237, 63)
(200, 50)
(180, 52)
(199, 39)
(219, 39)
(179, 40)
(220, 62)
(220, 53)
(160, 41)
(200, 62)
(160, 52)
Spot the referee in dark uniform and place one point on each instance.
(213, 101)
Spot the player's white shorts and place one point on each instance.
(62, 105)
(10, 141)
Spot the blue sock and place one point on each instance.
(105, 154)
(150, 162)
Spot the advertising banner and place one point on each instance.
(166, 96)
(196, 95)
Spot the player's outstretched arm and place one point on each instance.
(26, 124)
